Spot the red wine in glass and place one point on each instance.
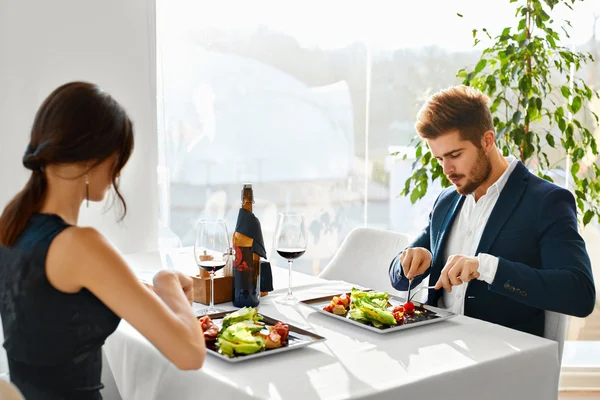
(290, 243)
(212, 251)
(212, 265)
(290, 253)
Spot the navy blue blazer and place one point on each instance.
(543, 263)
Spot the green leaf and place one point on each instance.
(426, 158)
(548, 178)
(567, 56)
(491, 83)
(587, 217)
(460, 15)
(539, 22)
(480, 66)
(576, 104)
(575, 168)
(562, 124)
(516, 117)
(550, 140)
(525, 84)
(569, 131)
(415, 195)
(566, 92)
(487, 33)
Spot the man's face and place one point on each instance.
(465, 165)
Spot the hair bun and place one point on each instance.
(31, 160)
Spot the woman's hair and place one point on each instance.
(77, 122)
(461, 108)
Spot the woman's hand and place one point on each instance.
(165, 280)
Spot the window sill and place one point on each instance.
(580, 366)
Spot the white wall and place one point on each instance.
(112, 43)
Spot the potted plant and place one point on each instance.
(539, 104)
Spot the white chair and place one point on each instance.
(555, 328)
(8, 391)
(364, 258)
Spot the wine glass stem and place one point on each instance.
(212, 290)
(290, 277)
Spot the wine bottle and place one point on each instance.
(246, 265)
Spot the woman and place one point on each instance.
(67, 288)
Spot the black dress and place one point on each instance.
(53, 340)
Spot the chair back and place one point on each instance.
(555, 328)
(364, 258)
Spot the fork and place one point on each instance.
(409, 297)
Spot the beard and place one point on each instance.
(478, 174)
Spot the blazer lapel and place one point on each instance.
(506, 203)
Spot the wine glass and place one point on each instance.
(290, 243)
(212, 251)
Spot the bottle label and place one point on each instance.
(246, 278)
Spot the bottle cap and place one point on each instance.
(248, 186)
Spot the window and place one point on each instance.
(307, 101)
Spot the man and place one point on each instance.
(502, 245)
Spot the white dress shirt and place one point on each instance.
(465, 235)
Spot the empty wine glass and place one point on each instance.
(290, 243)
(212, 252)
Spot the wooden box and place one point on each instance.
(223, 289)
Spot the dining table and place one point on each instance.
(458, 358)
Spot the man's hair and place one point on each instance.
(461, 108)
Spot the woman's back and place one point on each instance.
(53, 339)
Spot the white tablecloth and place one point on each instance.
(462, 358)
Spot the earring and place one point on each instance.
(87, 190)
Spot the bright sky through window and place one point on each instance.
(386, 24)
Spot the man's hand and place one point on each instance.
(415, 261)
(458, 269)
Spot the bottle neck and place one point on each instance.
(247, 205)
(247, 199)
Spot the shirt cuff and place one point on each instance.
(488, 265)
